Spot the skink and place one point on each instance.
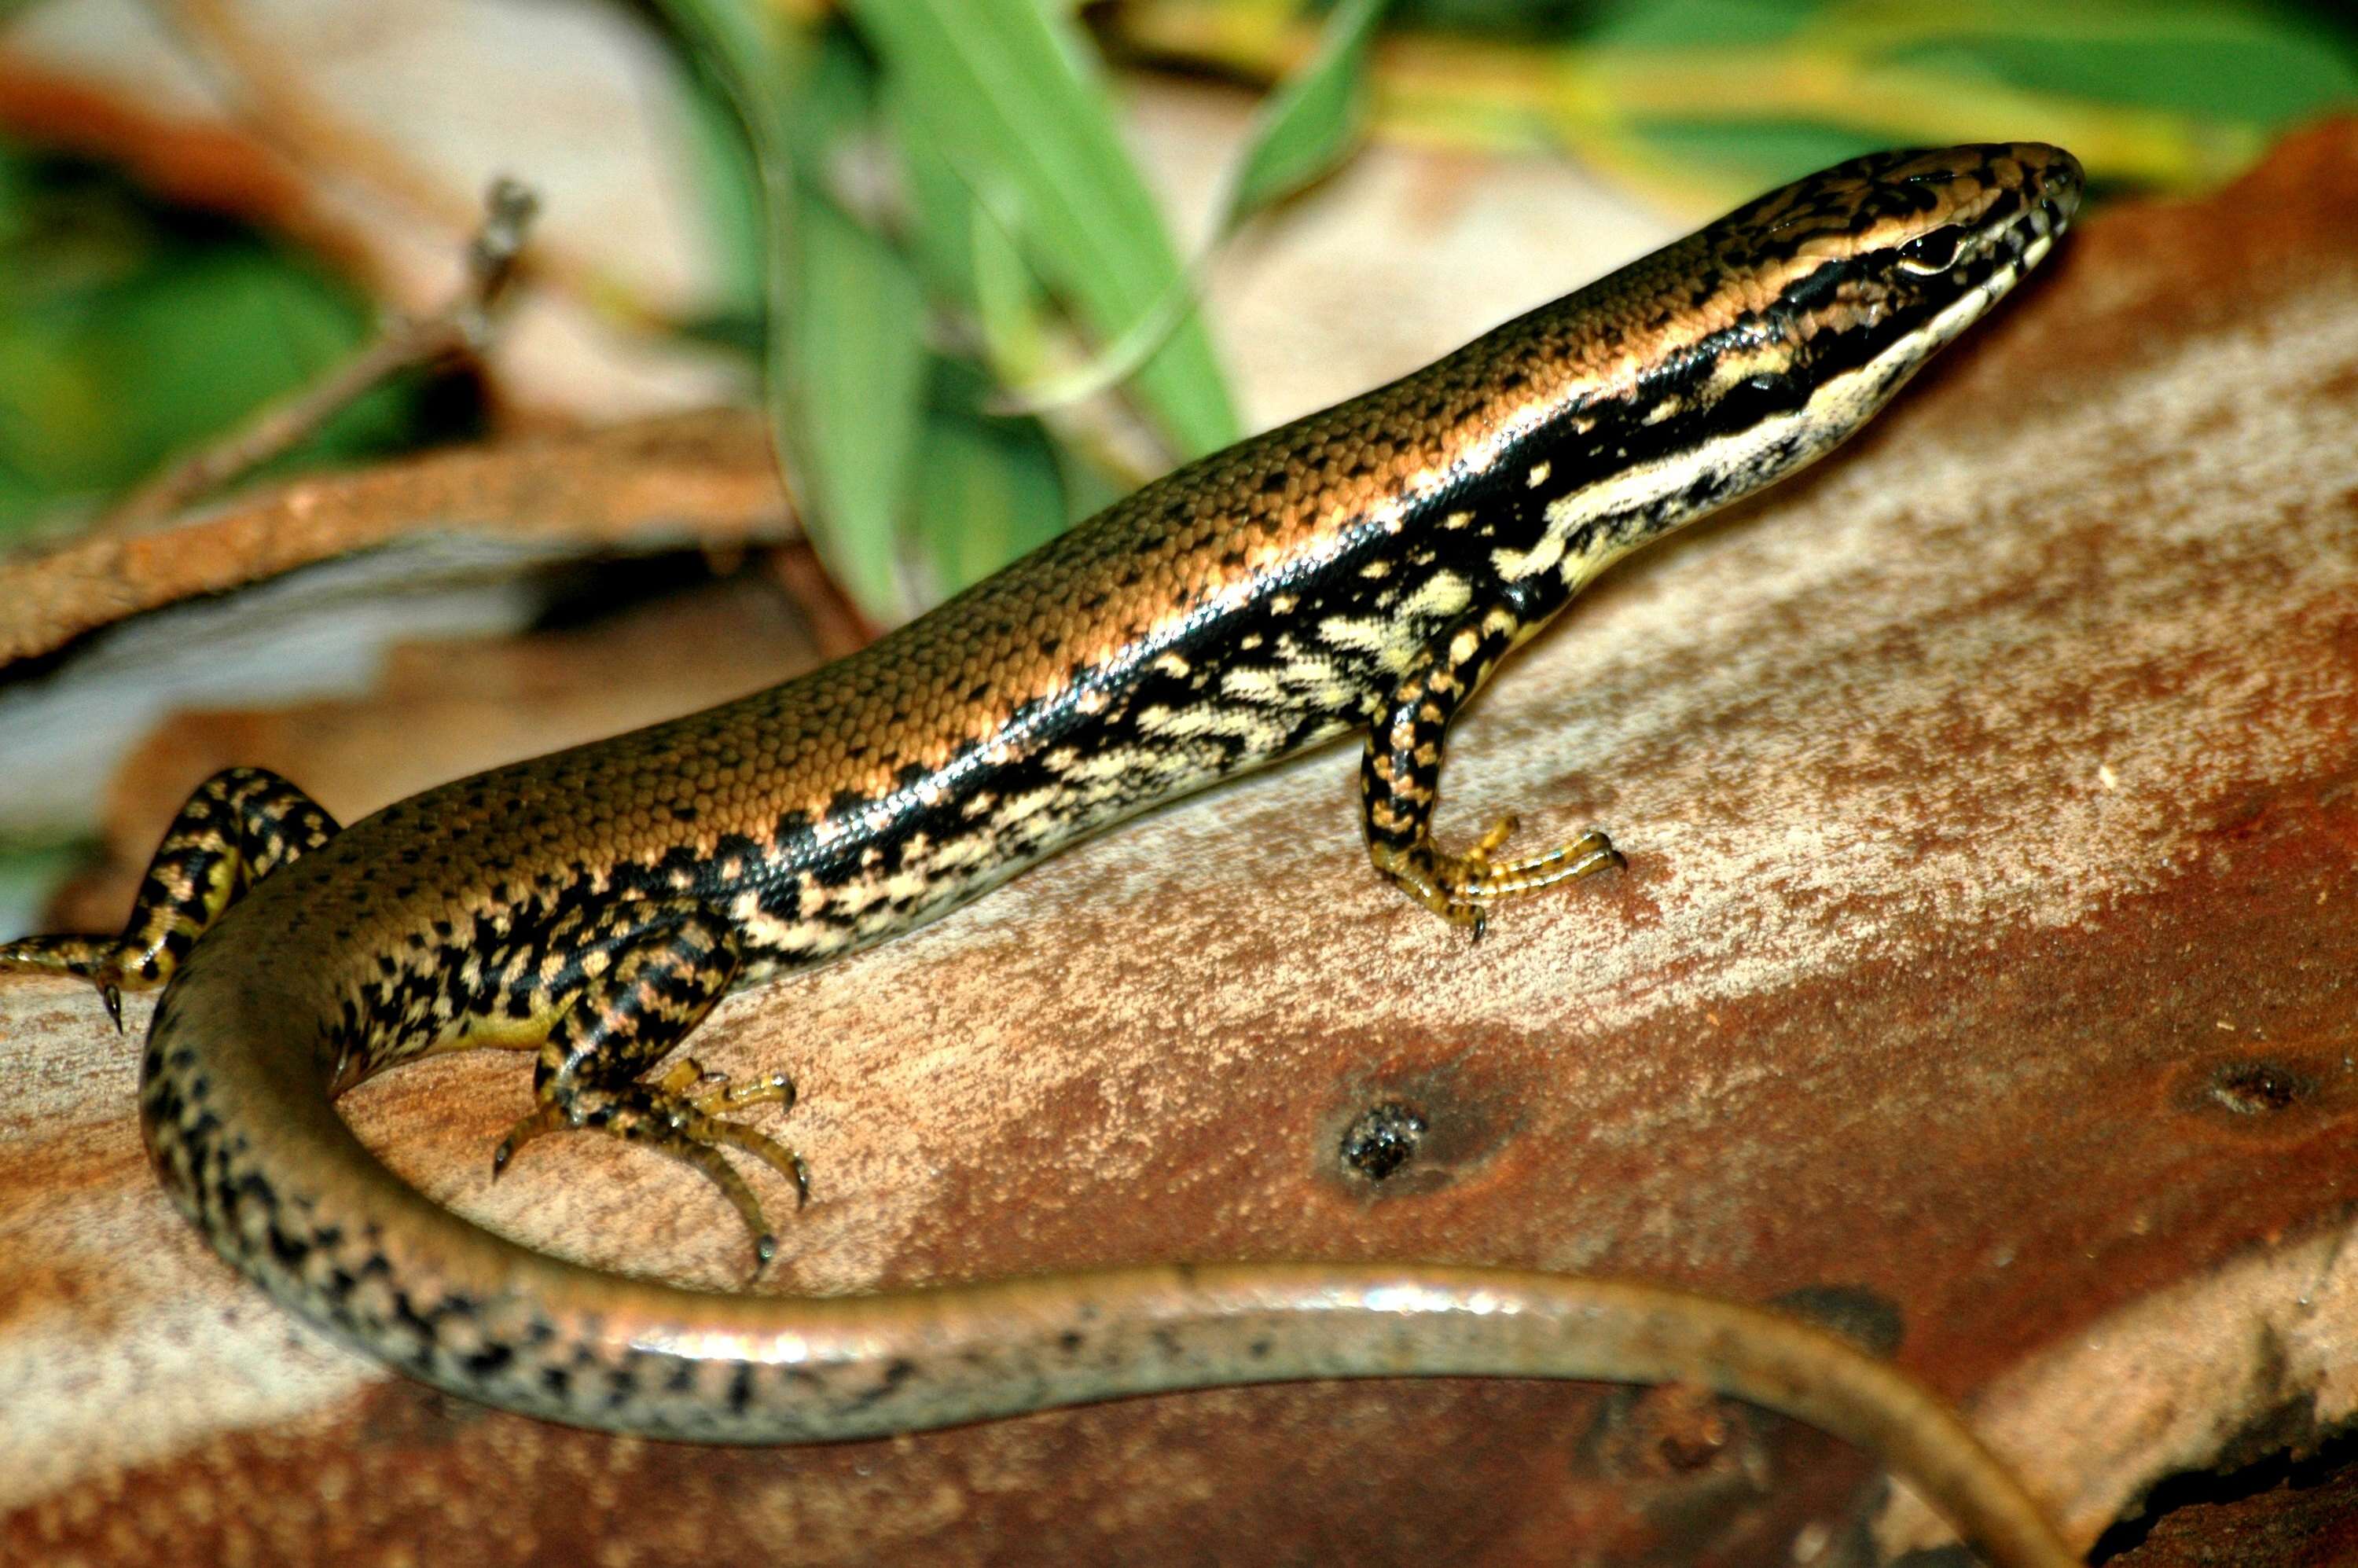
(1363, 568)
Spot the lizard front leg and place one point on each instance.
(1400, 784)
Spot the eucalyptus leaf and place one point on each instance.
(848, 360)
(942, 212)
(1007, 301)
(1313, 121)
(2227, 61)
(129, 337)
(1004, 88)
(853, 372)
(989, 492)
(1309, 125)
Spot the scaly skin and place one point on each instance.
(1365, 567)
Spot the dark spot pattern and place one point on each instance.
(1365, 567)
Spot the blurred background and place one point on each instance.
(206, 203)
(983, 264)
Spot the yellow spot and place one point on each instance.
(1251, 683)
(1736, 367)
(1369, 635)
(1515, 565)
(1444, 594)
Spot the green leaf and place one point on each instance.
(2220, 60)
(130, 335)
(1007, 301)
(942, 212)
(846, 351)
(965, 249)
(1313, 122)
(849, 387)
(1305, 127)
(723, 175)
(1005, 91)
(989, 492)
(1713, 24)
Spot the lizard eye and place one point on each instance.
(1935, 252)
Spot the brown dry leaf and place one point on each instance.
(1985, 962)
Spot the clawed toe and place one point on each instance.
(1476, 876)
(84, 957)
(548, 1119)
(770, 1152)
(718, 1092)
(707, 1157)
(673, 1115)
(1459, 888)
(1478, 857)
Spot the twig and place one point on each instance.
(706, 479)
(462, 326)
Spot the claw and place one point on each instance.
(544, 1121)
(1476, 876)
(767, 1149)
(671, 1114)
(86, 957)
(1460, 888)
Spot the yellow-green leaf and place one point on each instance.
(988, 491)
(1313, 121)
(1006, 91)
(851, 396)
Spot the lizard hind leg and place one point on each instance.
(644, 973)
(1400, 784)
(238, 827)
